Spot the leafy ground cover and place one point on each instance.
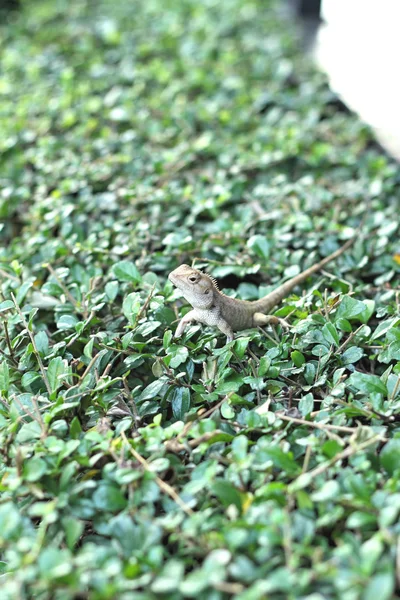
(137, 136)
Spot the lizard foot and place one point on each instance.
(260, 319)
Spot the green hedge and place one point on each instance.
(136, 136)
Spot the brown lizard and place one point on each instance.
(212, 307)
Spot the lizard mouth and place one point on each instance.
(173, 279)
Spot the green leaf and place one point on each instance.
(241, 344)
(178, 354)
(306, 404)
(180, 402)
(88, 349)
(167, 339)
(22, 291)
(66, 322)
(111, 289)
(152, 390)
(131, 307)
(259, 245)
(227, 493)
(194, 583)
(331, 448)
(364, 382)
(330, 334)
(352, 355)
(309, 373)
(227, 412)
(384, 327)
(75, 428)
(390, 456)
(42, 342)
(328, 491)
(6, 305)
(34, 469)
(280, 459)
(54, 563)
(350, 309)
(263, 367)
(360, 520)
(344, 325)
(29, 431)
(239, 447)
(56, 372)
(169, 579)
(108, 497)
(125, 270)
(368, 311)
(4, 377)
(29, 378)
(10, 522)
(73, 530)
(297, 358)
(380, 586)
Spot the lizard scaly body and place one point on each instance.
(212, 307)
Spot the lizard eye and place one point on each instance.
(206, 291)
(193, 278)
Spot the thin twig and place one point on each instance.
(165, 487)
(88, 368)
(175, 447)
(37, 411)
(9, 276)
(395, 389)
(352, 334)
(8, 342)
(307, 459)
(370, 412)
(28, 412)
(250, 362)
(203, 415)
(35, 350)
(8, 357)
(317, 425)
(132, 403)
(346, 453)
(386, 419)
(266, 334)
(229, 588)
(146, 303)
(337, 278)
(119, 350)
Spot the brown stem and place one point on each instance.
(165, 487)
(175, 447)
(8, 342)
(346, 453)
(132, 403)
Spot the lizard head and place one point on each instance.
(196, 287)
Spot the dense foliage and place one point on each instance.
(136, 136)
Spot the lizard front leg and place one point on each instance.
(188, 318)
(226, 329)
(259, 319)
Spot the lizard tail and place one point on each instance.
(265, 304)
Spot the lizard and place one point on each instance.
(214, 308)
